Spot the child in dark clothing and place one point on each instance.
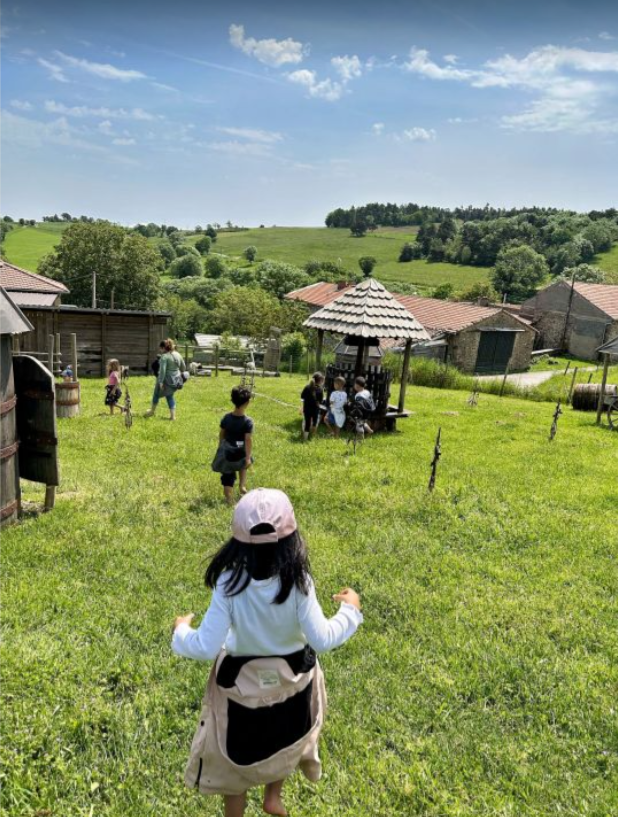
(312, 397)
(235, 444)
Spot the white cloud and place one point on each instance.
(21, 105)
(106, 127)
(347, 67)
(254, 135)
(270, 52)
(83, 111)
(460, 120)
(324, 89)
(605, 35)
(163, 87)
(99, 69)
(565, 101)
(451, 58)
(419, 135)
(55, 72)
(123, 141)
(240, 148)
(378, 128)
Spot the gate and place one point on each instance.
(495, 349)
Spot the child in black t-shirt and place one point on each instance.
(312, 396)
(235, 444)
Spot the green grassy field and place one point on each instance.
(297, 245)
(25, 246)
(608, 262)
(483, 681)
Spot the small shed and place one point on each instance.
(12, 323)
(363, 315)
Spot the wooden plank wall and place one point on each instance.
(132, 339)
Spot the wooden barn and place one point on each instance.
(577, 318)
(132, 336)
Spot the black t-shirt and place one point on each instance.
(235, 427)
(155, 366)
(311, 397)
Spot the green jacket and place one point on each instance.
(170, 364)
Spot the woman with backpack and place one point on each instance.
(170, 379)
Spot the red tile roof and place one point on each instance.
(603, 296)
(319, 294)
(14, 278)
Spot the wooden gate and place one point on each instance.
(36, 421)
(495, 349)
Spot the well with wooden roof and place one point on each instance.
(363, 315)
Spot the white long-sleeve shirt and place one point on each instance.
(250, 624)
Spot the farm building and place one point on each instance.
(577, 318)
(132, 336)
(472, 337)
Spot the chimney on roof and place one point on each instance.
(483, 301)
(341, 285)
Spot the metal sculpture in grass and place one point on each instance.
(126, 409)
(437, 453)
(356, 427)
(473, 400)
(554, 426)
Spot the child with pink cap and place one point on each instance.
(265, 700)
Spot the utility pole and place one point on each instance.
(112, 301)
(94, 289)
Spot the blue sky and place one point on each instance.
(275, 113)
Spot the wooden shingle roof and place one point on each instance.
(368, 311)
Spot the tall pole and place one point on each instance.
(74, 354)
(112, 299)
(404, 375)
(94, 289)
(318, 353)
(601, 402)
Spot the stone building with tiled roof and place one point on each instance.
(28, 288)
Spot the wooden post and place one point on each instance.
(318, 353)
(15, 340)
(601, 402)
(358, 366)
(50, 497)
(111, 303)
(74, 355)
(216, 360)
(291, 365)
(58, 353)
(506, 374)
(404, 375)
(103, 343)
(575, 370)
(307, 361)
(50, 353)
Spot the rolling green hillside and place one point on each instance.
(25, 246)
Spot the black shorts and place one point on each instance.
(311, 419)
(228, 480)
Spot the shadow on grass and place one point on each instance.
(205, 503)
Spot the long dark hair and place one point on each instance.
(316, 380)
(287, 559)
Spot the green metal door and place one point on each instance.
(494, 352)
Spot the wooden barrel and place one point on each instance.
(586, 395)
(67, 398)
(9, 464)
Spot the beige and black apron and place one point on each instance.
(261, 719)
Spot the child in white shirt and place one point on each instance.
(264, 627)
(335, 417)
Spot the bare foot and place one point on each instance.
(243, 490)
(274, 805)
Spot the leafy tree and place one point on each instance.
(32, 222)
(166, 251)
(186, 249)
(187, 315)
(22, 222)
(278, 278)
(410, 252)
(586, 249)
(293, 345)
(8, 219)
(185, 266)
(518, 272)
(211, 233)
(479, 290)
(601, 234)
(203, 245)
(200, 289)
(124, 262)
(367, 263)
(245, 311)
(174, 236)
(198, 229)
(66, 217)
(585, 272)
(242, 276)
(359, 229)
(436, 250)
(215, 266)
(447, 229)
(443, 291)
(5, 227)
(250, 253)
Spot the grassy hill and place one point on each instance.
(25, 246)
(482, 682)
(297, 245)
(608, 262)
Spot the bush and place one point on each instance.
(186, 266)
(186, 249)
(293, 345)
(367, 264)
(585, 272)
(279, 278)
(203, 245)
(215, 266)
(166, 251)
(250, 253)
(443, 292)
(200, 289)
(410, 252)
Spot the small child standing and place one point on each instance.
(235, 444)
(312, 396)
(335, 418)
(364, 400)
(265, 701)
(113, 392)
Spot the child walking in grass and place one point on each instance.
(235, 444)
(265, 701)
(312, 396)
(363, 399)
(113, 392)
(335, 417)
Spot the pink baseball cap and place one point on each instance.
(263, 506)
